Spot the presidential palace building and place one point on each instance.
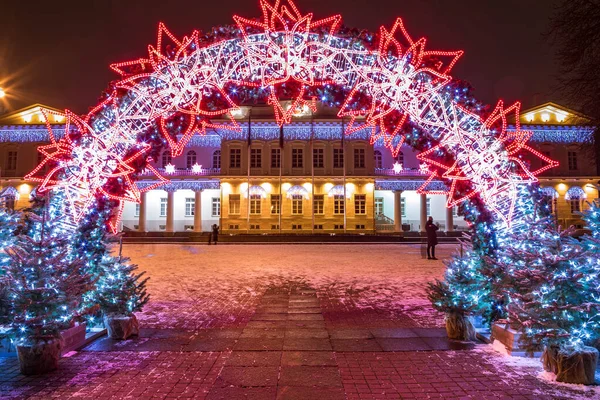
(311, 179)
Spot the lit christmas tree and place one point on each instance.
(46, 283)
(8, 228)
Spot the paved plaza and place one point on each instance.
(288, 322)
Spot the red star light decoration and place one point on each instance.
(172, 82)
(394, 81)
(287, 57)
(490, 159)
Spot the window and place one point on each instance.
(166, 159)
(234, 227)
(275, 204)
(163, 207)
(296, 227)
(575, 205)
(255, 158)
(216, 159)
(318, 204)
(338, 227)
(455, 211)
(297, 161)
(254, 227)
(378, 205)
(318, 227)
(360, 227)
(360, 204)
(359, 158)
(338, 158)
(11, 161)
(572, 158)
(378, 158)
(255, 202)
(137, 210)
(276, 158)
(235, 158)
(216, 207)
(297, 204)
(338, 204)
(190, 202)
(428, 207)
(190, 159)
(188, 228)
(403, 206)
(275, 227)
(234, 204)
(400, 158)
(318, 158)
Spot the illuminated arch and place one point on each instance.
(388, 83)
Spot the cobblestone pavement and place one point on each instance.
(286, 322)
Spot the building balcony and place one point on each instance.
(401, 173)
(182, 172)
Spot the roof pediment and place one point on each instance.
(552, 114)
(31, 115)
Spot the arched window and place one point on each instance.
(400, 158)
(191, 159)
(378, 159)
(575, 196)
(216, 161)
(166, 159)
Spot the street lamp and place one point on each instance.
(2, 93)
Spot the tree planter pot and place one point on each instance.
(459, 327)
(40, 357)
(571, 365)
(73, 338)
(510, 337)
(121, 327)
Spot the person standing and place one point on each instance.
(215, 233)
(431, 230)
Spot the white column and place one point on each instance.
(142, 216)
(198, 211)
(449, 219)
(423, 211)
(170, 210)
(398, 211)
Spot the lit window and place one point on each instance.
(216, 161)
(255, 203)
(319, 204)
(575, 205)
(338, 204)
(359, 158)
(297, 204)
(360, 204)
(403, 206)
(190, 202)
(235, 158)
(400, 158)
(137, 210)
(378, 158)
(255, 158)
(338, 158)
(297, 159)
(163, 207)
(318, 158)
(190, 159)
(166, 159)
(11, 161)
(216, 207)
(234, 204)
(572, 158)
(275, 158)
(275, 204)
(428, 207)
(379, 206)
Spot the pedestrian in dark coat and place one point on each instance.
(215, 233)
(431, 230)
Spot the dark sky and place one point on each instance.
(58, 52)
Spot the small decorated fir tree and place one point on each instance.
(8, 228)
(45, 282)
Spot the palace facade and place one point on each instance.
(306, 178)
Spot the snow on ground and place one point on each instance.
(198, 286)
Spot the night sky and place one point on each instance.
(58, 52)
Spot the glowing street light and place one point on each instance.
(2, 93)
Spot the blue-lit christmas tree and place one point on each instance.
(8, 227)
(46, 284)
